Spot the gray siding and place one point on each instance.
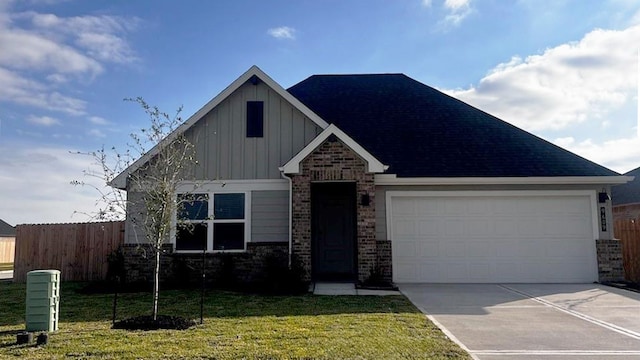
(135, 210)
(224, 152)
(381, 210)
(269, 216)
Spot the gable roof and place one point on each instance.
(6, 229)
(628, 193)
(293, 165)
(421, 132)
(120, 180)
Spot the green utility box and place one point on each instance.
(43, 300)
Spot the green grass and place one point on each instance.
(6, 266)
(236, 326)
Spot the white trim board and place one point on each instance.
(233, 185)
(373, 164)
(392, 179)
(120, 180)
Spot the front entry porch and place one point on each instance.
(333, 215)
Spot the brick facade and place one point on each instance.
(243, 267)
(334, 161)
(610, 264)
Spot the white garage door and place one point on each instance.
(486, 237)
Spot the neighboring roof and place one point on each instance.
(6, 229)
(293, 165)
(628, 193)
(421, 132)
(250, 75)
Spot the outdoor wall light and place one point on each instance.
(603, 196)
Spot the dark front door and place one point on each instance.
(333, 231)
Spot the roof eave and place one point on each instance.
(392, 179)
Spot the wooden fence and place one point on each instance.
(79, 251)
(628, 231)
(7, 249)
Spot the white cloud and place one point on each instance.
(427, 3)
(282, 32)
(43, 120)
(57, 78)
(47, 196)
(97, 133)
(456, 5)
(32, 52)
(620, 155)
(106, 47)
(97, 120)
(564, 85)
(458, 10)
(57, 50)
(20, 90)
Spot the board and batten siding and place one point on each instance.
(269, 216)
(223, 150)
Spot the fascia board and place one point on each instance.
(392, 179)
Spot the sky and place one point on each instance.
(564, 70)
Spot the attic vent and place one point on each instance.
(254, 80)
(255, 119)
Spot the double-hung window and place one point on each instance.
(212, 222)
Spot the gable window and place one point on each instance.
(212, 222)
(255, 119)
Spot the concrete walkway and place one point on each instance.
(534, 321)
(347, 289)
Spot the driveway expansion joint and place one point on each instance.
(604, 324)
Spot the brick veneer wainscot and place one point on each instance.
(334, 161)
(246, 267)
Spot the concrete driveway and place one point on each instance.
(531, 321)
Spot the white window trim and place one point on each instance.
(211, 221)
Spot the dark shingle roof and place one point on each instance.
(628, 193)
(422, 132)
(6, 229)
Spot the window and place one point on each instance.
(255, 118)
(212, 222)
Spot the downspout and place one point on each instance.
(290, 215)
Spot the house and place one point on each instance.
(626, 198)
(379, 175)
(7, 242)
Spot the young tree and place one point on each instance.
(168, 158)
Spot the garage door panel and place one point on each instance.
(493, 239)
(404, 228)
(429, 227)
(405, 249)
(480, 248)
(429, 249)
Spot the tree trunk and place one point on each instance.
(156, 284)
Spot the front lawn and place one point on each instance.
(236, 326)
